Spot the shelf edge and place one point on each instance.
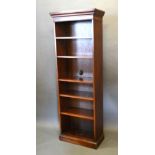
(77, 97)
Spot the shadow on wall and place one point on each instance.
(110, 65)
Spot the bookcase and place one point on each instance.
(79, 55)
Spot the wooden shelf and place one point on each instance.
(81, 135)
(84, 80)
(79, 54)
(73, 37)
(76, 57)
(77, 112)
(83, 95)
(81, 139)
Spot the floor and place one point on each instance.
(49, 144)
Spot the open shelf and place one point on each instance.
(78, 112)
(76, 108)
(73, 37)
(86, 136)
(67, 103)
(76, 90)
(76, 57)
(78, 95)
(70, 69)
(77, 127)
(77, 79)
(79, 29)
(74, 47)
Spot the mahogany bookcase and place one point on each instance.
(79, 54)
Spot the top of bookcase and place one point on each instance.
(93, 11)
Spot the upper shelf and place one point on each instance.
(74, 37)
(77, 80)
(83, 95)
(78, 112)
(76, 57)
(74, 30)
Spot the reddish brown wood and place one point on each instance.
(93, 11)
(76, 57)
(67, 103)
(78, 48)
(77, 80)
(81, 140)
(77, 126)
(70, 68)
(78, 112)
(74, 29)
(73, 37)
(74, 46)
(98, 80)
(78, 95)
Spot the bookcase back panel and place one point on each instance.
(74, 47)
(85, 90)
(74, 28)
(75, 103)
(77, 126)
(69, 68)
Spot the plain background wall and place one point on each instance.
(46, 64)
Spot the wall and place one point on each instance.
(46, 72)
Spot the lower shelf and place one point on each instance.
(78, 95)
(80, 140)
(77, 79)
(77, 112)
(79, 134)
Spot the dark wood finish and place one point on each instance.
(81, 140)
(67, 103)
(70, 69)
(76, 79)
(76, 97)
(78, 48)
(98, 74)
(78, 112)
(74, 46)
(77, 126)
(75, 57)
(74, 29)
(73, 37)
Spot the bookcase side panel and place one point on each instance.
(57, 75)
(98, 76)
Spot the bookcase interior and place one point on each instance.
(74, 47)
(76, 89)
(75, 69)
(77, 127)
(74, 28)
(70, 103)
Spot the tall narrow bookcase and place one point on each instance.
(78, 48)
